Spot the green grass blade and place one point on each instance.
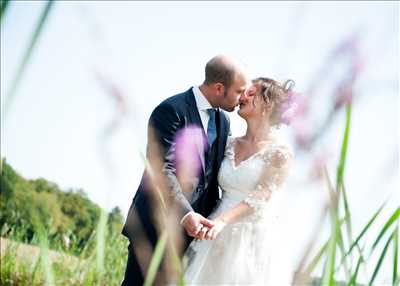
(395, 254)
(27, 56)
(365, 229)
(343, 153)
(100, 242)
(329, 267)
(353, 279)
(382, 256)
(361, 254)
(304, 269)
(343, 251)
(178, 265)
(163, 208)
(316, 259)
(44, 255)
(347, 216)
(3, 6)
(152, 175)
(156, 259)
(181, 279)
(340, 187)
(390, 221)
(328, 277)
(328, 273)
(336, 235)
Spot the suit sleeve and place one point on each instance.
(164, 122)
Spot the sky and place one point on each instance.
(55, 127)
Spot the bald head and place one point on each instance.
(222, 69)
(225, 82)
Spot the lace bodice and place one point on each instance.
(256, 179)
(246, 251)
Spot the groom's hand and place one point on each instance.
(194, 223)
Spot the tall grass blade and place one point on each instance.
(329, 269)
(303, 276)
(100, 242)
(156, 259)
(163, 244)
(3, 7)
(390, 221)
(34, 271)
(364, 230)
(378, 265)
(178, 264)
(343, 153)
(152, 175)
(325, 273)
(332, 254)
(347, 216)
(20, 71)
(353, 279)
(316, 259)
(340, 186)
(44, 257)
(343, 251)
(336, 235)
(395, 254)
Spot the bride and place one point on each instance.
(237, 249)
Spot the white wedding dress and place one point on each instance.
(242, 254)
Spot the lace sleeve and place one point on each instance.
(277, 162)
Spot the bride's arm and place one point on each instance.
(277, 167)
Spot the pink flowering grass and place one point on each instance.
(190, 142)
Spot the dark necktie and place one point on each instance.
(212, 127)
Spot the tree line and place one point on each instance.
(68, 217)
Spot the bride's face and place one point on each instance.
(251, 103)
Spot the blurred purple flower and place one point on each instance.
(112, 89)
(294, 107)
(302, 132)
(350, 45)
(343, 94)
(358, 66)
(190, 144)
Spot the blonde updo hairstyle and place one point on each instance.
(275, 95)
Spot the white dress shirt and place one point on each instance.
(202, 106)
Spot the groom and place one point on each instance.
(225, 81)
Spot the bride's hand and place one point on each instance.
(219, 225)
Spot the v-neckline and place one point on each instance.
(236, 166)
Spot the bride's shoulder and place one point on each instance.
(279, 153)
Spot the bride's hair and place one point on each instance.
(275, 94)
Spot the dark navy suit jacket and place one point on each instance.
(166, 120)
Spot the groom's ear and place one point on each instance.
(219, 88)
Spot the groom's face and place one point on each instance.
(232, 94)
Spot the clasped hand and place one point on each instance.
(201, 228)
